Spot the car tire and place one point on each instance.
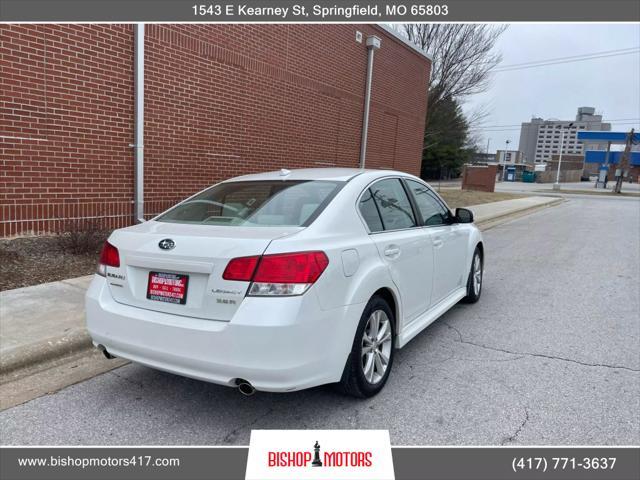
(474, 282)
(366, 370)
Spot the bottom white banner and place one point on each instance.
(320, 454)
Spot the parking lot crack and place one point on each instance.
(455, 330)
(230, 438)
(538, 355)
(513, 437)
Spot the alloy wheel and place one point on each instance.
(376, 346)
(477, 274)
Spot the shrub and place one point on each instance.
(82, 236)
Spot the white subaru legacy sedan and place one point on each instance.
(286, 280)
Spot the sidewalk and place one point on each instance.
(46, 322)
(42, 322)
(575, 187)
(491, 212)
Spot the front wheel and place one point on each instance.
(474, 282)
(371, 357)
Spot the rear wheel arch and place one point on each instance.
(389, 296)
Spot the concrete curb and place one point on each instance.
(487, 223)
(51, 349)
(78, 340)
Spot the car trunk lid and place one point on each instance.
(191, 270)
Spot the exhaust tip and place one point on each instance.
(104, 351)
(245, 388)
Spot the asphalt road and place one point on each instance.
(550, 355)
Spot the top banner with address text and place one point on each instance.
(373, 11)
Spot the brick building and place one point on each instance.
(571, 169)
(220, 100)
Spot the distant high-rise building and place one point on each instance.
(540, 139)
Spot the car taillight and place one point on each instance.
(278, 274)
(302, 267)
(109, 257)
(241, 269)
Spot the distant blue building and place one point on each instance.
(594, 159)
(599, 157)
(604, 137)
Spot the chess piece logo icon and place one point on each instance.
(316, 455)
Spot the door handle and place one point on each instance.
(437, 242)
(392, 252)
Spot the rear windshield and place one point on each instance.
(256, 203)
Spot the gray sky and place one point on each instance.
(611, 85)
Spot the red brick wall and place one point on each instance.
(66, 116)
(220, 100)
(479, 177)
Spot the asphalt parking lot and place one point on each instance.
(549, 356)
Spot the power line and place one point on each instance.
(581, 55)
(572, 58)
(561, 61)
(608, 120)
(516, 128)
(619, 121)
(622, 119)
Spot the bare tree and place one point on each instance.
(462, 55)
(478, 115)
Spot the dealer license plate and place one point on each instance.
(168, 287)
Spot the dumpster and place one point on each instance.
(528, 177)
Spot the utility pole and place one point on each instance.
(624, 163)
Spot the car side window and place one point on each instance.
(431, 209)
(393, 204)
(369, 212)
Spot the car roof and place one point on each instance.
(335, 174)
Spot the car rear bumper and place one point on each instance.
(276, 344)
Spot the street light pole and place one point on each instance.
(504, 159)
(556, 186)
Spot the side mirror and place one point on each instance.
(464, 215)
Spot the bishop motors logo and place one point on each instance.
(320, 454)
(331, 458)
